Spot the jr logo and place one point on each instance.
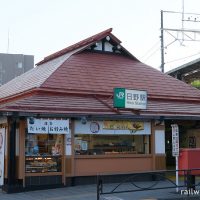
(120, 95)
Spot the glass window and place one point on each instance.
(111, 144)
(43, 152)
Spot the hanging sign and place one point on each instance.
(58, 126)
(2, 147)
(47, 126)
(37, 126)
(175, 140)
(135, 99)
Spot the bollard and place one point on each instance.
(190, 181)
(98, 195)
(99, 187)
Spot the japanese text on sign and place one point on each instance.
(48, 126)
(134, 99)
(175, 140)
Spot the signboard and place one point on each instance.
(175, 140)
(2, 148)
(47, 126)
(37, 126)
(175, 148)
(58, 126)
(123, 125)
(112, 128)
(135, 99)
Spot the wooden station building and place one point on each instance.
(58, 125)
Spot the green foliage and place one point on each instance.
(196, 84)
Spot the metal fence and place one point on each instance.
(154, 180)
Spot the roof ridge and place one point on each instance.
(79, 44)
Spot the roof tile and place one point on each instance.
(82, 43)
(99, 72)
(71, 104)
(83, 73)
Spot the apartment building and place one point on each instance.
(13, 65)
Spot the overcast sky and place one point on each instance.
(41, 27)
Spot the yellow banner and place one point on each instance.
(123, 125)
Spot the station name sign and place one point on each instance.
(135, 99)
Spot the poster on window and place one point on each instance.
(159, 141)
(2, 144)
(68, 142)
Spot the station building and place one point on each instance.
(60, 124)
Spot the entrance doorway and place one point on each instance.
(189, 137)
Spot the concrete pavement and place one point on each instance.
(88, 192)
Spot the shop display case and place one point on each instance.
(93, 145)
(43, 153)
(41, 164)
(113, 149)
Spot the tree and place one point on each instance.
(196, 84)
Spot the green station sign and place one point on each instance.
(125, 98)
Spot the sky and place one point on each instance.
(42, 27)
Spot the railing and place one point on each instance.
(155, 180)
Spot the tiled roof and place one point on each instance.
(90, 105)
(44, 69)
(99, 72)
(67, 82)
(33, 78)
(83, 43)
(185, 68)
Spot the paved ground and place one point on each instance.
(88, 192)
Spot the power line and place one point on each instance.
(183, 58)
(165, 11)
(152, 54)
(187, 34)
(148, 51)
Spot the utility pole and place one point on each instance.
(162, 44)
(8, 44)
(187, 34)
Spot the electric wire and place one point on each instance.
(151, 54)
(182, 58)
(148, 51)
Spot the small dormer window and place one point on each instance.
(98, 46)
(108, 47)
(105, 45)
